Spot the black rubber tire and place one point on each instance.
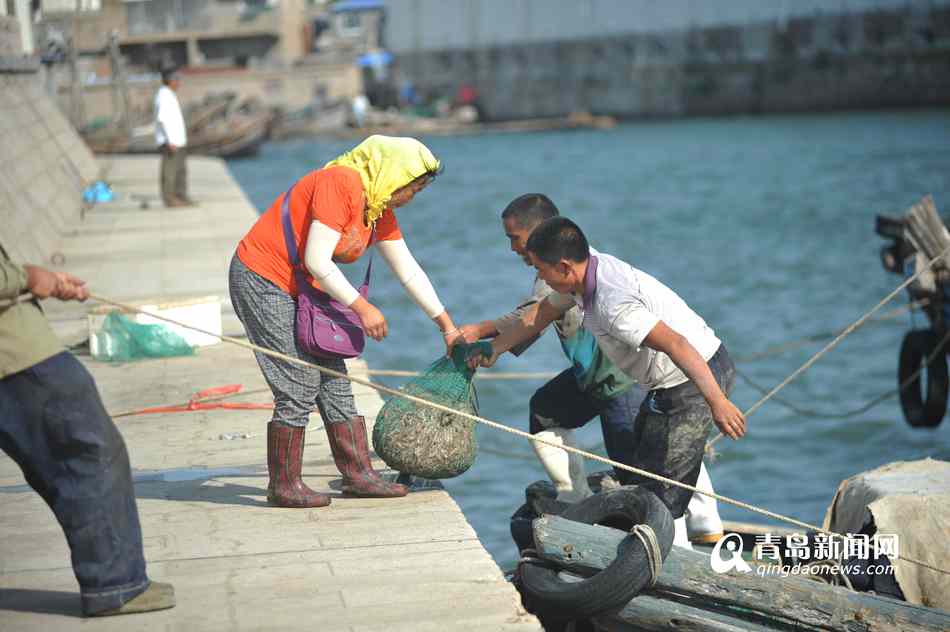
(612, 588)
(920, 412)
(521, 525)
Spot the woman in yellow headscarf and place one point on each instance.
(335, 212)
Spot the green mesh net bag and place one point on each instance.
(423, 441)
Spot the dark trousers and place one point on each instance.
(670, 434)
(562, 404)
(173, 178)
(53, 424)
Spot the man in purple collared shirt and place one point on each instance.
(650, 333)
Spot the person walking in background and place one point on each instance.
(592, 386)
(337, 213)
(652, 335)
(171, 135)
(54, 426)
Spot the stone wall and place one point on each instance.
(44, 167)
(10, 43)
(878, 59)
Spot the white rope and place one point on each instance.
(651, 547)
(939, 349)
(22, 298)
(481, 420)
(798, 343)
(834, 343)
(494, 375)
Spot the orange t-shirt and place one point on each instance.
(332, 196)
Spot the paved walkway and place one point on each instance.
(236, 563)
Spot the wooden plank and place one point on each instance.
(646, 613)
(584, 548)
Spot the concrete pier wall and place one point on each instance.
(44, 165)
(883, 58)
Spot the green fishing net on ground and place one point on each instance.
(121, 340)
(423, 441)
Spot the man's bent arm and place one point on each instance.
(684, 355)
(533, 320)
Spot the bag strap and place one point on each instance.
(369, 267)
(289, 229)
(291, 243)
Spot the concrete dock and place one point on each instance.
(236, 563)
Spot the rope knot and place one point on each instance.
(655, 557)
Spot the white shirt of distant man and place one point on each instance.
(169, 120)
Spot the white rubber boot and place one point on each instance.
(566, 470)
(703, 524)
(680, 538)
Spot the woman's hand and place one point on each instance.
(451, 335)
(452, 338)
(373, 321)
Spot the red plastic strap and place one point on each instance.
(196, 402)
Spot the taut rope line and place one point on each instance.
(488, 422)
(938, 349)
(834, 343)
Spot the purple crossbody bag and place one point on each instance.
(325, 327)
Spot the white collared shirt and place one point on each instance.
(169, 121)
(624, 306)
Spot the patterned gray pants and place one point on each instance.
(268, 315)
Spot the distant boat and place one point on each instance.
(221, 125)
(335, 120)
(311, 121)
(453, 127)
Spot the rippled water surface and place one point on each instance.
(764, 225)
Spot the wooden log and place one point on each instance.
(927, 231)
(583, 549)
(652, 614)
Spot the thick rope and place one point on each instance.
(938, 350)
(771, 351)
(486, 422)
(22, 298)
(651, 547)
(495, 375)
(798, 343)
(834, 343)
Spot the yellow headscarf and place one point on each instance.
(385, 164)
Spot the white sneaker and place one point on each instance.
(565, 469)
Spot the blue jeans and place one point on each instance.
(562, 404)
(54, 426)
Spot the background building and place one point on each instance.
(287, 53)
(647, 58)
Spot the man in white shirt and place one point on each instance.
(651, 334)
(172, 138)
(591, 386)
